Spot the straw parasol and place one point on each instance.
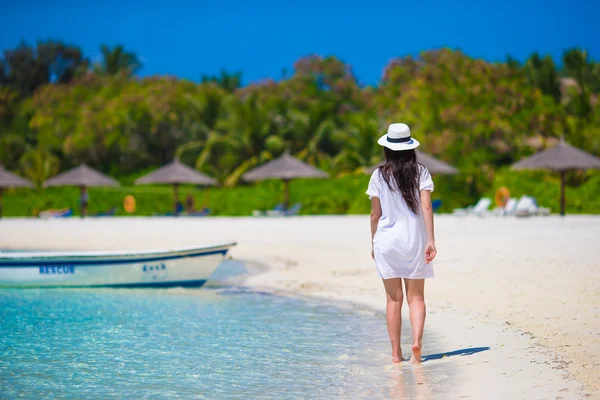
(9, 180)
(176, 174)
(84, 177)
(433, 165)
(561, 158)
(285, 168)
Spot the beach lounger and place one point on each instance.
(63, 213)
(202, 213)
(527, 207)
(542, 211)
(481, 208)
(279, 208)
(294, 210)
(109, 213)
(179, 210)
(508, 209)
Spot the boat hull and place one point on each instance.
(189, 268)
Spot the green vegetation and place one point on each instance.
(57, 109)
(336, 196)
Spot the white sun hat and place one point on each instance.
(398, 138)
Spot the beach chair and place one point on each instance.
(62, 213)
(279, 208)
(526, 207)
(202, 213)
(508, 209)
(109, 213)
(543, 211)
(294, 210)
(178, 211)
(481, 208)
(436, 204)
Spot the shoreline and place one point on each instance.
(542, 374)
(487, 269)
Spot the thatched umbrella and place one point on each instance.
(9, 180)
(83, 177)
(285, 168)
(176, 174)
(433, 165)
(561, 158)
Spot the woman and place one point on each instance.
(402, 233)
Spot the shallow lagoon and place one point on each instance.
(211, 342)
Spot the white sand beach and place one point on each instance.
(527, 288)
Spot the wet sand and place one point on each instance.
(527, 289)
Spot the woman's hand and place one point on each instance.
(430, 252)
(372, 253)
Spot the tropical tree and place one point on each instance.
(39, 164)
(26, 68)
(477, 112)
(586, 73)
(117, 60)
(359, 144)
(479, 115)
(579, 65)
(228, 81)
(542, 73)
(240, 139)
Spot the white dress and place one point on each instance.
(401, 236)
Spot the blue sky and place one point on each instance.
(259, 38)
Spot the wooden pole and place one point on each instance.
(562, 192)
(175, 198)
(286, 194)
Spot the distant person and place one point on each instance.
(189, 203)
(83, 202)
(178, 207)
(402, 233)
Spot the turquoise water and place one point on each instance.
(200, 343)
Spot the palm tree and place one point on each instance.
(238, 142)
(228, 81)
(39, 164)
(308, 130)
(116, 60)
(541, 73)
(200, 124)
(360, 148)
(579, 66)
(314, 151)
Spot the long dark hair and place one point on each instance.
(401, 173)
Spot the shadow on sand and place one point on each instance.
(461, 352)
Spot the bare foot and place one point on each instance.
(397, 359)
(416, 354)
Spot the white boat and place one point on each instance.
(188, 267)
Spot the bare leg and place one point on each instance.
(416, 305)
(394, 296)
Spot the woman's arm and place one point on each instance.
(430, 250)
(375, 216)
